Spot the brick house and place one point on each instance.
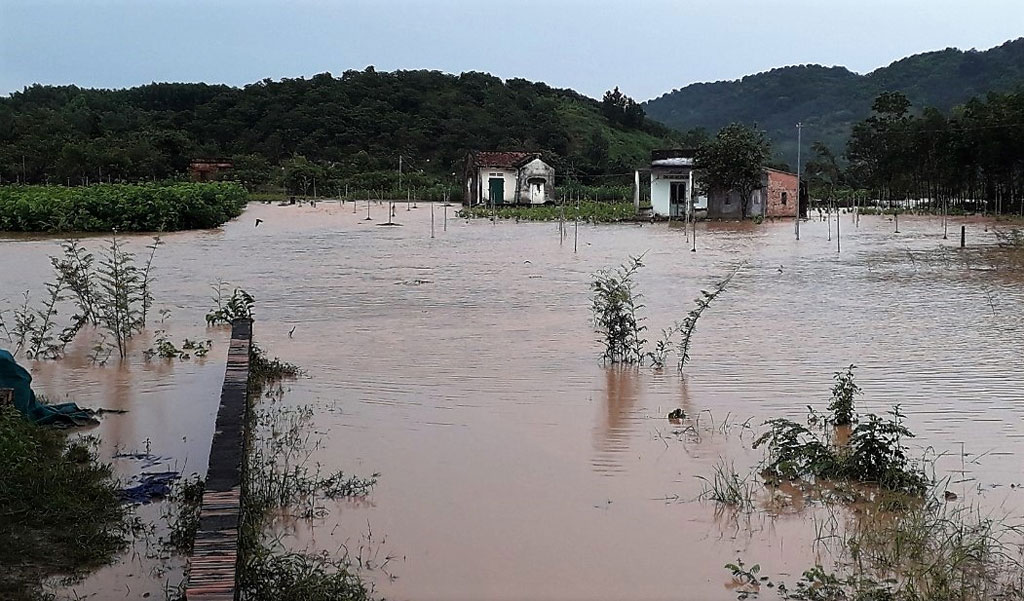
(777, 197)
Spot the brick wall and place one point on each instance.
(781, 194)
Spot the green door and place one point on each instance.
(497, 190)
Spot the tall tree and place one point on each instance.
(734, 160)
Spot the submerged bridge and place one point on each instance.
(214, 564)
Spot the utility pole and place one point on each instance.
(399, 174)
(799, 128)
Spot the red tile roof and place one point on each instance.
(503, 159)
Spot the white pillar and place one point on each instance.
(636, 191)
(689, 195)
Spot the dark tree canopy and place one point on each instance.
(358, 122)
(734, 160)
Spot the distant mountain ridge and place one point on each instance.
(829, 100)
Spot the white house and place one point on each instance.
(508, 178)
(672, 183)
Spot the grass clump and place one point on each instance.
(60, 509)
(727, 487)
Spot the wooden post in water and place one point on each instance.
(367, 210)
(576, 230)
(431, 220)
(838, 241)
(963, 235)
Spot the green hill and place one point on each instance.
(829, 100)
(357, 123)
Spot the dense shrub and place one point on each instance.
(124, 207)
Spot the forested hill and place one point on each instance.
(361, 121)
(829, 100)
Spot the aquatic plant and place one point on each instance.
(843, 393)
(727, 487)
(614, 304)
(689, 323)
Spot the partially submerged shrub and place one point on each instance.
(237, 306)
(843, 393)
(875, 454)
(615, 304)
(689, 323)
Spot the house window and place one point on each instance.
(785, 197)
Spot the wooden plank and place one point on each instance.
(213, 567)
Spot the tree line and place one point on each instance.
(968, 159)
(326, 128)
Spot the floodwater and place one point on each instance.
(514, 465)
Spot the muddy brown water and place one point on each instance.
(514, 465)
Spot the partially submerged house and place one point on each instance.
(508, 178)
(674, 184)
(777, 197)
(205, 170)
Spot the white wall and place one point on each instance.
(486, 173)
(660, 191)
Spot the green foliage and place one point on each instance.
(875, 454)
(689, 324)
(121, 207)
(324, 127)
(279, 480)
(727, 487)
(166, 349)
(237, 306)
(829, 100)
(114, 295)
(843, 393)
(969, 159)
(734, 160)
(60, 510)
(588, 212)
(614, 304)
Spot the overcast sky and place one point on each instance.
(646, 47)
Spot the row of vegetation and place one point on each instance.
(121, 207)
(967, 160)
(586, 211)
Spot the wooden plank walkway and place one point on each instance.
(214, 564)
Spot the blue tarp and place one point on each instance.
(17, 377)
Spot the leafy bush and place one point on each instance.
(589, 211)
(843, 393)
(121, 207)
(875, 454)
(615, 304)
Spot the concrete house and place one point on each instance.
(508, 178)
(777, 197)
(674, 181)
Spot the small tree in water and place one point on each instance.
(615, 305)
(843, 393)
